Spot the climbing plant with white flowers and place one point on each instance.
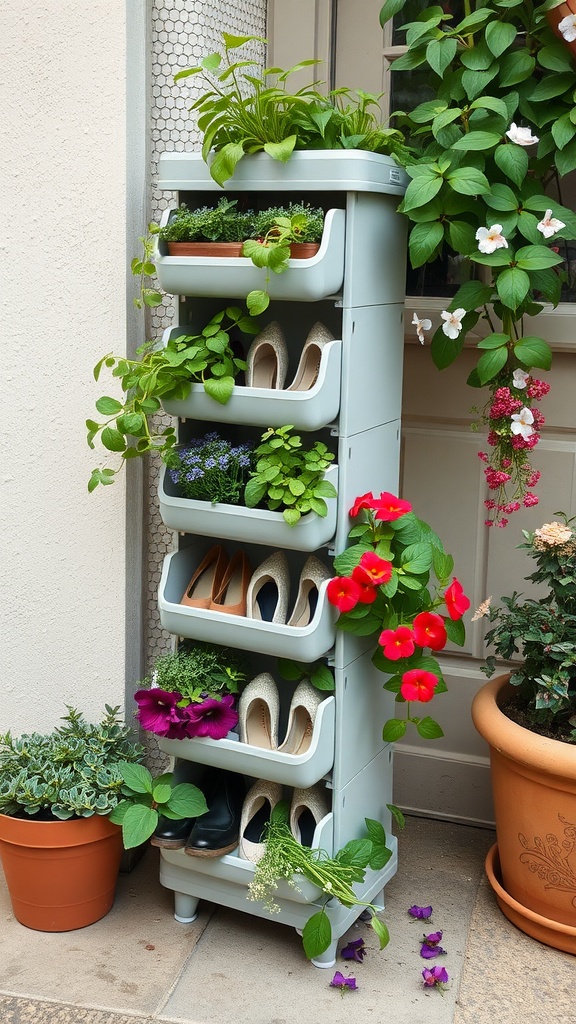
(490, 150)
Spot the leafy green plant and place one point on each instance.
(220, 223)
(488, 186)
(143, 268)
(542, 630)
(145, 799)
(285, 858)
(199, 670)
(240, 112)
(208, 358)
(318, 673)
(288, 477)
(277, 228)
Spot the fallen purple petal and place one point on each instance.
(355, 950)
(339, 981)
(433, 938)
(420, 913)
(429, 952)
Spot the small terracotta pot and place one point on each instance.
(303, 250)
(555, 16)
(534, 790)
(205, 249)
(61, 875)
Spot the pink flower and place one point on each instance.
(389, 508)
(537, 389)
(372, 569)
(213, 718)
(343, 592)
(417, 684)
(157, 712)
(435, 976)
(430, 630)
(456, 601)
(397, 643)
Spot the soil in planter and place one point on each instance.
(514, 707)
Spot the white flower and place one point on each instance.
(522, 422)
(519, 378)
(453, 324)
(482, 610)
(490, 239)
(552, 535)
(549, 225)
(567, 28)
(421, 326)
(522, 136)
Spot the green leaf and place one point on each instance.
(494, 341)
(322, 678)
(162, 791)
(220, 389)
(390, 8)
(516, 67)
(427, 111)
(455, 631)
(473, 21)
(224, 163)
(316, 935)
(256, 302)
(555, 57)
(477, 140)
(537, 257)
(393, 730)
(440, 53)
(289, 669)
(357, 852)
(420, 191)
(381, 931)
(563, 131)
(471, 294)
(513, 161)
(533, 351)
(475, 82)
(187, 801)
(566, 159)
(417, 558)
(113, 440)
(498, 258)
(501, 197)
(108, 406)
(491, 103)
(281, 150)
(461, 236)
(468, 181)
(424, 241)
(397, 815)
(429, 729)
(138, 825)
(499, 36)
(136, 776)
(410, 60)
(490, 364)
(513, 286)
(552, 86)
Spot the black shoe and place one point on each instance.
(171, 834)
(217, 831)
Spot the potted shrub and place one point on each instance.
(527, 718)
(208, 230)
(63, 797)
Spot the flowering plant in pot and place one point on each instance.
(492, 143)
(67, 789)
(210, 468)
(192, 693)
(208, 230)
(383, 588)
(527, 717)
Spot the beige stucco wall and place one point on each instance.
(62, 265)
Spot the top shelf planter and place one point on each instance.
(311, 171)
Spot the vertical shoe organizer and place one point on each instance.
(355, 286)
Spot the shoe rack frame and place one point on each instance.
(365, 313)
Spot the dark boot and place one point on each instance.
(216, 832)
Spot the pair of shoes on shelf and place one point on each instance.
(267, 359)
(307, 808)
(220, 583)
(268, 590)
(215, 832)
(259, 711)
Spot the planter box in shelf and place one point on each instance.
(301, 770)
(304, 643)
(233, 870)
(260, 407)
(305, 280)
(237, 522)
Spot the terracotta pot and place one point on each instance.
(205, 249)
(534, 790)
(555, 16)
(303, 250)
(60, 874)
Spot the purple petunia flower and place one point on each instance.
(435, 976)
(355, 950)
(157, 711)
(420, 913)
(339, 981)
(431, 947)
(213, 718)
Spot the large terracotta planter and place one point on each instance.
(61, 875)
(556, 15)
(533, 871)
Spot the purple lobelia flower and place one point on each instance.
(420, 913)
(355, 950)
(211, 717)
(157, 711)
(435, 977)
(339, 981)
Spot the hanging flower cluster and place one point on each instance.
(382, 587)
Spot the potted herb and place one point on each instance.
(286, 476)
(208, 230)
(69, 791)
(282, 233)
(192, 693)
(209, 357)
(492, 143)
(527, 717)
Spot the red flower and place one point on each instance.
(397, 643)
(389, 507)
(364, 501)
(430, 631)
(372, 569)
(456, 601)
(343, 592)
(368, 592)
(417, 684)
